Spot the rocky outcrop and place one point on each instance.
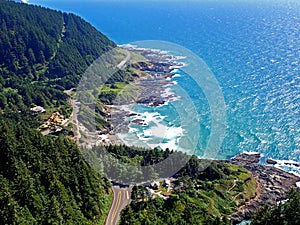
(272, 185)
(139, 122)
(271, 161)
(151, 101)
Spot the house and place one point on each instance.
(166, 183)
(155, 185)
(38, 109)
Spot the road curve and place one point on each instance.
(121, 198)
(123, 63)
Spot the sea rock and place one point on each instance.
(295, 164)
(244, 159)
(271, 161)
(139, 122)
(132, 114)
(151, 101)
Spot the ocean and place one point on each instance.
(251, 47)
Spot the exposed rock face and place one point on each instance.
(244, 159)
(139, 122)
(151, 101)
(272, 185)
(271, 161)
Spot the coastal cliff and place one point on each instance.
(272, 185)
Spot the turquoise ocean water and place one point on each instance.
(252, 48)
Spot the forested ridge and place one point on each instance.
(42, 53)
(45, 180)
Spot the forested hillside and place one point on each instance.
(45, 180)
(42, 53)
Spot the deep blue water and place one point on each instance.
(252, 48)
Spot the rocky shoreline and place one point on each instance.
(153, 89)
(153, 74)
(272, 185)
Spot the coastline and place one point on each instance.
(272, 184)
(153, 80)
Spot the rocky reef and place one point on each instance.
(272, 185)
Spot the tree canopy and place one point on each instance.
(45, 180)
(42, 53)
(284, 213)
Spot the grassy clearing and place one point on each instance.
(118, 92)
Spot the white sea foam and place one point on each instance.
(175, 71)
(132, 130)
(150, 116)
(141, 137)
(174, 98)
(166, 132)
(127, 46)
(253, 153)
(147, 133)
(182, 64)
(126, 108)
(167, 85)
(179, 57)
(172, 144)
(176, 75)
(288, 163)
(164, 136)
(22, 1)
(167, 93)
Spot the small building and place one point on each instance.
(166, 183)
(155, 185)
(38, 109)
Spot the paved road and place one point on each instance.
(122, 64)
(120, 201)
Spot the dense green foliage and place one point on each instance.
(287, 213)
(42, 53)
(45, 180)
(129, 164)
(205, 200)
(204, 191)
(186, 210)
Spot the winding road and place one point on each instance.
(121, 199)
(123, 63)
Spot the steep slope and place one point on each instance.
(42, 53)
(45, 180)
